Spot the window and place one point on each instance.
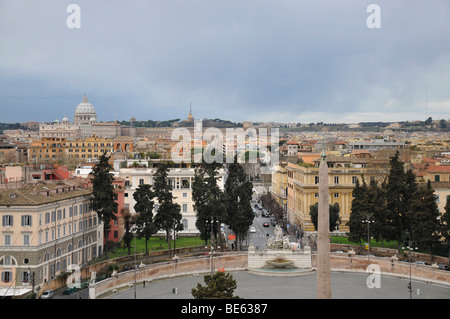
(316, 179)
(354, 179)
(7, 240)
(336, 179)
(316, 195)
(47, 218)
(6, 276)
(336, 195)
(141, 181)
(7, 220)
(184, 208)
(185, 224)
(26, 239)
(184, 194)
(437, 178)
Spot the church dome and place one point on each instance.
(85, 112)
(85, 107)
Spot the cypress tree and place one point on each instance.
(168, 216)
(102, 200)
(360, 210)
(208, 200)
(424, 218)
(144, 208)
(238, 195)
(395, 197)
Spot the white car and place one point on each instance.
(252, 229)
(48, 294)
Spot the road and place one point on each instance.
(260, 236)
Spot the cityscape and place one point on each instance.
(128, 178)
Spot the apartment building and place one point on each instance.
(303, 186)
(180, 177)
(44, 229)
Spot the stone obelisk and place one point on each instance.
(323, 233)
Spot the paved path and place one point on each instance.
(251, 286)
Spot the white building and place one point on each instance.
(181, 181)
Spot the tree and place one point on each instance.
(220, 285)
(129, 220)
(144, 207)
(238, 195)
(102, 200)
(376, 198)
(360, 211)
(208, 200)
(395, 197)
(333, 211)
(168, 215)
(424, 220)
(445, 226)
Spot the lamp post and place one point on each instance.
(410, 248)
(368, 221)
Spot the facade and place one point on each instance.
(180, 178)
(303, 187)
(279, 184)
(44, 229)
(47, 149)
(62, 128)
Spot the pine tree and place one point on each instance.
(220, 285)
(208, 200)
(425, 225)
(395, 197)
(360, 211)
(445, 225)
(334, 215)
(102, 200)
(168, 216)
(381, 227)
(238, 195)
(144, 208)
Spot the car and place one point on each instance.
(443, 267)
(252, 229)
(272, 222)
(47, 294)
(266, 224)
(420, 263)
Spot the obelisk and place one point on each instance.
(323, 233)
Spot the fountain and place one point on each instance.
(281, 258)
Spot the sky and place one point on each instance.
(293, 61)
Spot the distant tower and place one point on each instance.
(323, 233)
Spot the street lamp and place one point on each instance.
(368, 221)
(410, 249)
(135, 230)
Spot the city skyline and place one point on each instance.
(260, 61)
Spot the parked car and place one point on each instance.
(272, 222)
(252, 229)
(420, 263)
(47, 294)
(444, 267)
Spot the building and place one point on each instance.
(47, 149)
(180, 177)
(44, 229)
(303, 186)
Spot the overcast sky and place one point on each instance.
(239, 60)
